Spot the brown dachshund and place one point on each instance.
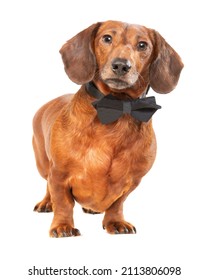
(94, 147)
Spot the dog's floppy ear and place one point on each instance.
(166, 67)
(78, 56)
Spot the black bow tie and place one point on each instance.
(110, 109)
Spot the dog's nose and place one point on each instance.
(120, 66)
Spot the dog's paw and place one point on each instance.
(64, 230)
(119, 227)
(89, 211)
(43, 207)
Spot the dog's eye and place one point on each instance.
(142, 46)
(107, 39)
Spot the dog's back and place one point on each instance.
(42, 123)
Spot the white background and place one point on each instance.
(170, 207)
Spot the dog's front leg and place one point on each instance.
(113, 221)
(63, 203)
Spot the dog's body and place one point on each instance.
(99, 165)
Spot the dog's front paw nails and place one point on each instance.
(119, 227)
(43, 207)
(64, 231)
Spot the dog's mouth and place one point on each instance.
(116, 83)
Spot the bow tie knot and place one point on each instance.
(110, 109)
(127, 107)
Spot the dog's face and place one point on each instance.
(124, 53)
(121, 57)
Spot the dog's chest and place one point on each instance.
(104, 157)
(102, 168)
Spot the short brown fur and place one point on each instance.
(83, 160)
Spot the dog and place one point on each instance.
(95, 146)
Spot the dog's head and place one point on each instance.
(120, 57)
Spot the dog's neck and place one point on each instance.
(110, 108)
(93, 91)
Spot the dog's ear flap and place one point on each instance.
(166, 67)
(78, 55)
